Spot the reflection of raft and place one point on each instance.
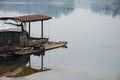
(18, 66)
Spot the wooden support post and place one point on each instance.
(42, 29)
(29, 30)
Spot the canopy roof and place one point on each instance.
(28, 18)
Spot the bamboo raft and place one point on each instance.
(20, 42)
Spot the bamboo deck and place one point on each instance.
(31, 48)
(47, 46)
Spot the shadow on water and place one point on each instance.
(17, 66)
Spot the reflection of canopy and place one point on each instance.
(28, 18)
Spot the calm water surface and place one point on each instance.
(92, 29)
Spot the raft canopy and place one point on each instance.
(28, 18)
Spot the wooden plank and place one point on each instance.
(47, 46)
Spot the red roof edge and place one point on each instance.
(29, 18)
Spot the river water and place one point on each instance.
(91, 28)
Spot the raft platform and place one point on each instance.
(35, 48)
(44, 47)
